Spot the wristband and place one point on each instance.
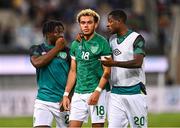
(66, 94)
(98, 89)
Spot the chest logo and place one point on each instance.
(116, 52)
(94, 49)
(63, 55)
(80, 47)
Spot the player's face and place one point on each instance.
(58, 32)
(113, 25)
(87, 25)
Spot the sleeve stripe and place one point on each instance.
(73, 57)
(102, 57)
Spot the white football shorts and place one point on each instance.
(124, 109)
(44, 112)
(80, 110)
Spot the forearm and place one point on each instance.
(40, 61)
(105, 77)
(71, 81)
(135, 63)
(52, 53)
(69, 86)
(102, 82)
(44, 59)
(127, 64)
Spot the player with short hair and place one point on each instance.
(127, 101)
(52, 61)
(91, 77)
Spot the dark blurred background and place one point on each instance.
(157, 20)
(21, 20)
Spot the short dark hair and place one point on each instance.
(118, 15)
(50, 25)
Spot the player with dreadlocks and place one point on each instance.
(51, 60)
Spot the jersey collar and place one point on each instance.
(123, 37)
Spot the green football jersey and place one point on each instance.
(51, 79)
(89, 68)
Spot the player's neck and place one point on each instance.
(88, 37)
(48, 42)
(123, 31)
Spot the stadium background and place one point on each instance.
(20, 27)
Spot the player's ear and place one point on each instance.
(96, 25)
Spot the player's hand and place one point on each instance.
(60, 43)
(79, 37)
(107, 62)
(66, 103)
(61, 106)
(93, 99)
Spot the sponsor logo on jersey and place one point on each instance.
(116, 52)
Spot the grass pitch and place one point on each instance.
(154, 120)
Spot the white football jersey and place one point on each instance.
(124, 52)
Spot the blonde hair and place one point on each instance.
(88, 12)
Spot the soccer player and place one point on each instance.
(52, 61)
(87, 71)
(127, 101)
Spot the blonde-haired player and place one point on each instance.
(91, 77)
(88, 12)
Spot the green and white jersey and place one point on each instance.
(89, 68)
(124, 48)
(51, 79)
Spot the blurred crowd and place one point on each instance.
(21, 20)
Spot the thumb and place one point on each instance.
(107, 58)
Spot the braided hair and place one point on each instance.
(50, 25)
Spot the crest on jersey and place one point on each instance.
(63, 55)
(80, 47)
(116, 52)
(94, 49)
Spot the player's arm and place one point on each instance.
(70, 84)
(42, 60)
(79, 37)
(104, 79)
(136, 62)
(106, 74)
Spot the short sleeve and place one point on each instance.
(34, 50)
(139, 45)
(73, 48)
(106, 49)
